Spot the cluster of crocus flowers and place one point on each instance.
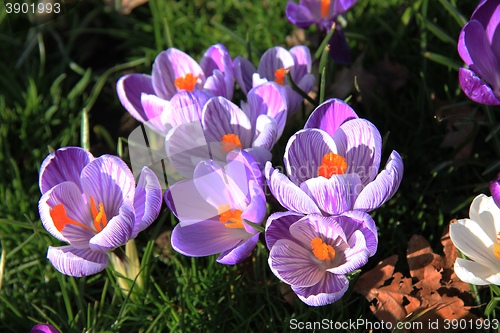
(324, 14)
(327, 233)
(272, 66)
(478, 45)
(94, 205)
(145, 96)
(213, 209)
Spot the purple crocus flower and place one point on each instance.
(224, 126)
(44, 328)
(213, 207)
(495, 190)
(175, 71)
(94, 205)
(272, 67)
(313, 253)
(479, 47)
(323, 13)
(333, 165)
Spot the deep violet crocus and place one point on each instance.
(332, 165)
(323, 13)
(224, 126)
(272, 66)
(479, 47)
(146, 96)
(44, 328)
(212, 209)
(94, 205)
(313, 253)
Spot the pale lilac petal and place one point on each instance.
(328, 290)
(70, 196)
(359, 142)
(170, 65)
(256, 211)
(186, 146)
(147, 200)
(485, 64)
(288, 194)
(302, 58)
(44, 328)
(243, 71)
(278, 227)
(184, 107)
(221, 117)
(475, 88)
(187, 204)
(218, 58)
(239, 253)
(330, 115)
(238, 158)
(376, 193)
(153, 108)
(300, 15)
(353, 220)
(273, 59)
(78, 236)
(108, 180)
(77, 263)
(294, 264)
(339, 49)
(293, 99)
(257, 80)
(335, 195)
(268, 132)
(304, 153)
(118, 230)
(65, 164)
(354, 257)
(130, 88)
(260, 155)
(268, 99)
(206, 238)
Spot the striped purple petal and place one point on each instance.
(218, 58)
(153, 108)
(354, 220)
(328, 290)
(65, 164)
(278, 227)
(359, 142)
(287, 193)
(273, 59)
(475, 88)
(354, 257)
(147, 200)
(74, 262)
(294, 264)
(376, 193)
(130, 88)
(268, 99)
(238, 253)
(243, 71)
(300, 15)
(330, 115)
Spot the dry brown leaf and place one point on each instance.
(431, 298)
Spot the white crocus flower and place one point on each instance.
(479, 239)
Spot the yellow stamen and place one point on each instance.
(60, 219)
(231, 218)
(325, 6)
(100, 220)
(231, 141)
(187, 82)
(332, 164)
(280, 76)
(321, 250)
(496, 251)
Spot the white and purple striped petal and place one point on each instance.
(74, 262)
(130, 89)
(147, 200)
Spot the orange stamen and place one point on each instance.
(325, 6)
(100, 220)
(231, 218)
(280, 76)
(332, 164)
(60, 219)
(187, 82)
(231, 141)
(321, 250)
